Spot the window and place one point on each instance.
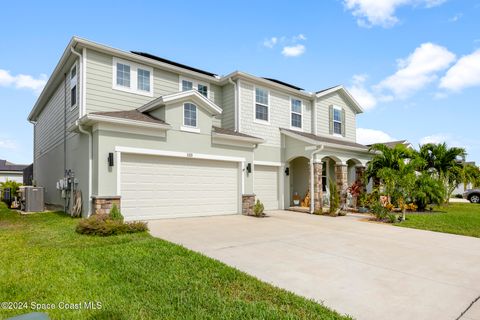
(187, 85)
(123, 75)
(73, 86)
(143, 80)
(261, 104)
(337, 121)
(132, 77)
(296, 113)
(189, 115)
(203, 89)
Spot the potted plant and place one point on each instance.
(296, 199)
(355, 190)
(362, 202)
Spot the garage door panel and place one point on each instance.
(266, 186)
(156, 187)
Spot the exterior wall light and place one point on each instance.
(110, 159)
(287, 171)
(249, 168)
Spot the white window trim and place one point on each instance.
(133, 77)
(73, 82)
(339, 135)
(195, 84)
(188, 128)
(301, 114)
(259, 121)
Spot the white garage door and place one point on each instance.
(155, 187)
(266, 186)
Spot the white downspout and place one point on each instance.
(235, 98)
(90, 161)
(312, 191)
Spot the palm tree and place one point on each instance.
(387, 157)
(470, 174)
(444, 163)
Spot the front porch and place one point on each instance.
(313, 162)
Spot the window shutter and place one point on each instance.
(330, 119)
(343, 122)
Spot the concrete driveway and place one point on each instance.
(364, 269)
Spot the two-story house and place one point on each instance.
(162, 139)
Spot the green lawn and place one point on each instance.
(42, 260)
(457, 218)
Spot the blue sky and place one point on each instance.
(413, 64)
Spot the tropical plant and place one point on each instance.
(115, 213)
(387, 157)
(258, 209)
(334, 197)
(428, 190)
(470, 174)
(12, 185)
(444, 163)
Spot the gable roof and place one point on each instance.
(324, 140)
(77, 43)
(193, 95)
(8, 166)
(344, 92)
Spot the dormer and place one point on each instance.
(188, 111)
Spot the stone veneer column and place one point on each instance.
(341, 175)
(103, 204)
(248, 201)
(317, 187)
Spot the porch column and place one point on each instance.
(359, 176)
(341, 175)
(317, 187)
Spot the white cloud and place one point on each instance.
(441, 138)
(371, 136)
(465, 73)
(22, 81)
(382, 12)
(299, 37)
(417, 70)
(293, 51)
(7, 144)
(366, 99)
(270, 43)
(456, 17)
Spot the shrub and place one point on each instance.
(334, 198)
(391, 217)
(104, 225)
(115, 214)
(258, 209)
(12, 185)
(379, 211)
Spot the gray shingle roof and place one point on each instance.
(232, 132)
(328, 140)
(390, 144)
(7, 166)
(131, 115)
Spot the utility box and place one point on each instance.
(33, 199)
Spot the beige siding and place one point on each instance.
(228, 106)
(322, 107)
(102, 97)
(279, 114)
(50, 123)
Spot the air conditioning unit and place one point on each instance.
(33, 199)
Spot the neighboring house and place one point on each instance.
(393, 144)
(164, 139)
(11, 171)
